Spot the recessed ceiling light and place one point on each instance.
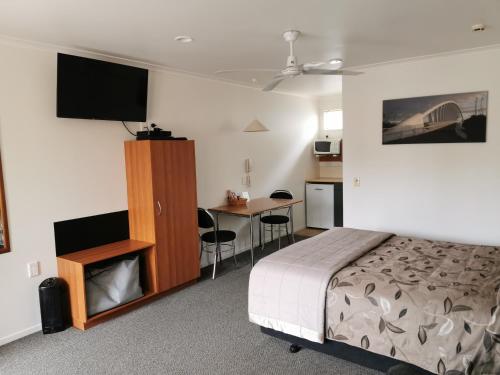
(183, 39)
(478, 27)
(335, 61)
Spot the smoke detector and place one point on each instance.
(183, 39)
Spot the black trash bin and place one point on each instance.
(54, 305)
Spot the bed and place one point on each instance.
(428, 303)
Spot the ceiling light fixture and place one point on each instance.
(183, 39)
(478, 27)
(335, 61)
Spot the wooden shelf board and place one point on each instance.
(330, 158)
(96, 254)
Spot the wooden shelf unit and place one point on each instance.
(163, 223)
(71, 268)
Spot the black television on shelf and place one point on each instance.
(100, 90)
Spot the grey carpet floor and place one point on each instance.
(202, 329)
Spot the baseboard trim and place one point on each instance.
(17, 335)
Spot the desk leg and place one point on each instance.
(291, 223)
(251, 239)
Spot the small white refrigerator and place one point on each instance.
(324, 205)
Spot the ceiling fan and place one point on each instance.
(293, 69)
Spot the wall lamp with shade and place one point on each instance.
(255, 126)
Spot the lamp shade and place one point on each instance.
(255, 126)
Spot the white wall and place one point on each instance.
(328, 103)
(437, 191)
(57, 169)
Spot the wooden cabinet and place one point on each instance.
(72, 266)
(161, 184)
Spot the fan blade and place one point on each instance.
(312, 65)
(244, 70)
(331, 72)
(275, 82)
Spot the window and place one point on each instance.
(332, 120)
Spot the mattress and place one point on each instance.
(287, 288)
(432, 304)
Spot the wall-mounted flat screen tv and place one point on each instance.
(93, 89)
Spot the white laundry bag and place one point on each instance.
(111, 286)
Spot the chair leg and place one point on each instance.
(263, 236)
(234, 254)
(272, 233)
(287, 233)
(220, 254)
(279, 236)
(215, 262)
(201, 248)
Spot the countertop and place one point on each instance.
(325, 180)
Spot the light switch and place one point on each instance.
(248, 165)
(356, 182)
(246, 180)
(33, 269)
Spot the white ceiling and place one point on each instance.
(233, 34)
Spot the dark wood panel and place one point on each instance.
(338, 204)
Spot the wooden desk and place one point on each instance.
(255, 207)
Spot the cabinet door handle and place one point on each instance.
(159, 207)
(318, 189)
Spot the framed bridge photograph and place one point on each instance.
(450, 118)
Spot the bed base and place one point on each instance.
(345, 352)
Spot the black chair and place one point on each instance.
(214, 238)
(270, 221)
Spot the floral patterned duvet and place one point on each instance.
(432, 304)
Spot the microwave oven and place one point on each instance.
(327, 147)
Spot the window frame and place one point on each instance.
(329, 111)
(3, 215)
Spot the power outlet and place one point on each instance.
(356, 182)
(33, 269)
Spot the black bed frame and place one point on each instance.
(343, 351)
